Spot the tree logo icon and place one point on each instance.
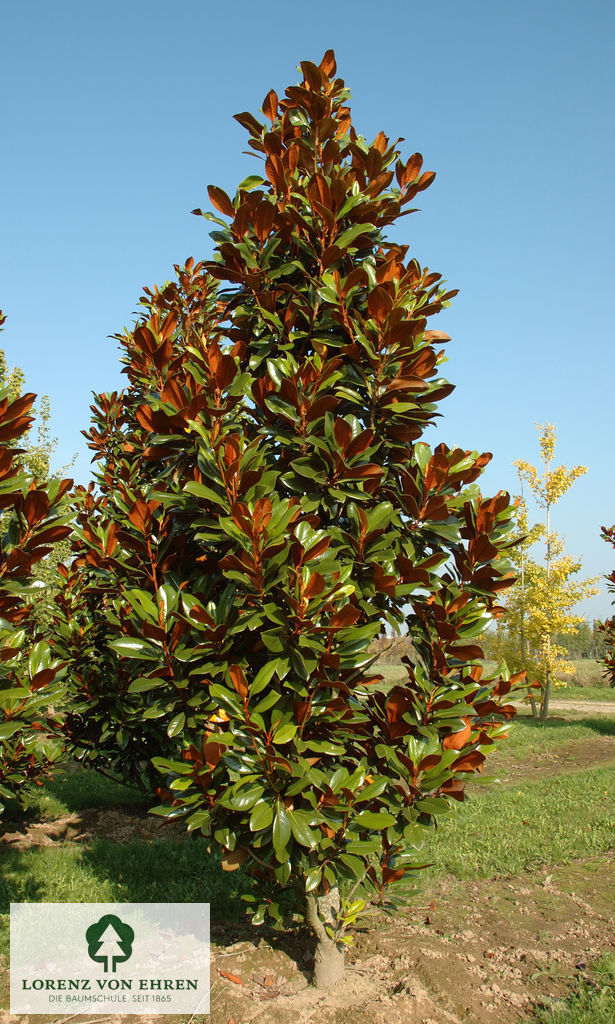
(109, 941)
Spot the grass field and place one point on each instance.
(549, 819)
(554, 807)
(74, 789)
(572, 692)
(542, 821)
(587, 673)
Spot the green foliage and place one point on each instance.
(584, 642)
(35, 518)
(577, 647)
(264, 502)
(34, 456)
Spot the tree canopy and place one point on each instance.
(264, 500)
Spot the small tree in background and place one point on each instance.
(509, 640)
(264, 503)
(538, 605)
(584, 643)
(35, 518)
(36, 450)
(607, 628)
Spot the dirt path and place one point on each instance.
(586, 707)
(573, 756)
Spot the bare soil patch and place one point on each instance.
(575, 755)
(118, 824)
(486, 952)
(481, 953)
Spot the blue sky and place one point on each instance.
(116, 116)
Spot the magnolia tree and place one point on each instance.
(264, 502)
(34, 520)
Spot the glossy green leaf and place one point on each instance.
(133, 647)
(300, 828)
(263, 677)
(176, 724)
(143, 684)
(202, 491)
(312, 879)
(8, 729)
(261, 816)
(374, 819)
(281, 832)
(284, 733)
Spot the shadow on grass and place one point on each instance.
(167, 871)
(18, 885)
(183, 871)
(70, 789)
(602, 724)
(79, 788)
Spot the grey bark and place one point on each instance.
(544, 714)
(329, 965)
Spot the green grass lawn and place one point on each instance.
(166, 871)
(587, 673)
(529, 736)
(572, 692)
(539, 822)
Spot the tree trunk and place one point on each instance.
(329, 965)
(544, 711)
(523, 639)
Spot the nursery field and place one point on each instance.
(536, 943)
(587, 683)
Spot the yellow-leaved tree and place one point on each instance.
(539, 606)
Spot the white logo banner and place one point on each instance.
(115, 958)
